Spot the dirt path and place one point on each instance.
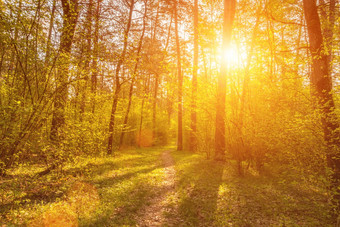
(152, 215)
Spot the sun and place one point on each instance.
(231, 56)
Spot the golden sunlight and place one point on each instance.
(232, 57)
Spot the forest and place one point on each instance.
(169, 113)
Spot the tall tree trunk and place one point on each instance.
(246, 78)
(94, 73)
(70, 16)
(88, 55)
(117, 87)
(180, 84)
(168, 79)
(154, 107)
(12, 66)
(48, 43)
(245, 91)
(321, 83)
(328, 17)
(134, 75)
(228, 18)
(193, 132)
(145, 95)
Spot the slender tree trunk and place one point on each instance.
(193, 132)
(141, 123)
(48, 43)
(245, 91)
(70, 16)
(169, 103)
(94, 74)
(205, 66)
(169, 33)
(228, 18)
(180, 84)
(13, 62)
(246, 78)
(3, 53)
(115, 96)
(328, 17)
(88, 27)
(134, 75)
(298, 44)
(88, 56)
(147, 87)
(321, 83)
(154, 108)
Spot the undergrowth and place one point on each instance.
(93, 191)
(113, 191)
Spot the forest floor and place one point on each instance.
(159, 187)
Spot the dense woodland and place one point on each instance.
(253, 85)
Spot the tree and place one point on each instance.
(95, 56)
(321, 85)
(70, 16)
(180, 83)
(134, 74)
(117, 81)
(88, 55)
(228, 18)
(193, 132)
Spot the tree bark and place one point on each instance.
(117, 83)
(134, 75)
(228, 18)
(193, 132)
(180, 84)
(88, 56)
(48, 44)
(154, 108)
(321, 86)
(328, 30)
(70, 16)
(146, 93)
(245, 90)
(94, 73)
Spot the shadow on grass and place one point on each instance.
(272, 201)
(198, 183)
(29, 199)
(212, 194)
(120, 205)
(41, 191)
(110, 181)
(125, 190)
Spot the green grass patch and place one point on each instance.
(212, 194)
(112, 191)
(122, 185)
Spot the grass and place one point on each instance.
(118, 186)
(211, 194)
(113, 191)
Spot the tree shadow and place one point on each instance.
(37, 194)
(128, 202)
(212, 194)
(110, 181)
(270, 201)
(197, 187)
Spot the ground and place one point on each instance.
(159, 187)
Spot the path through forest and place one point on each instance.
(153, 214)
(161, 187)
